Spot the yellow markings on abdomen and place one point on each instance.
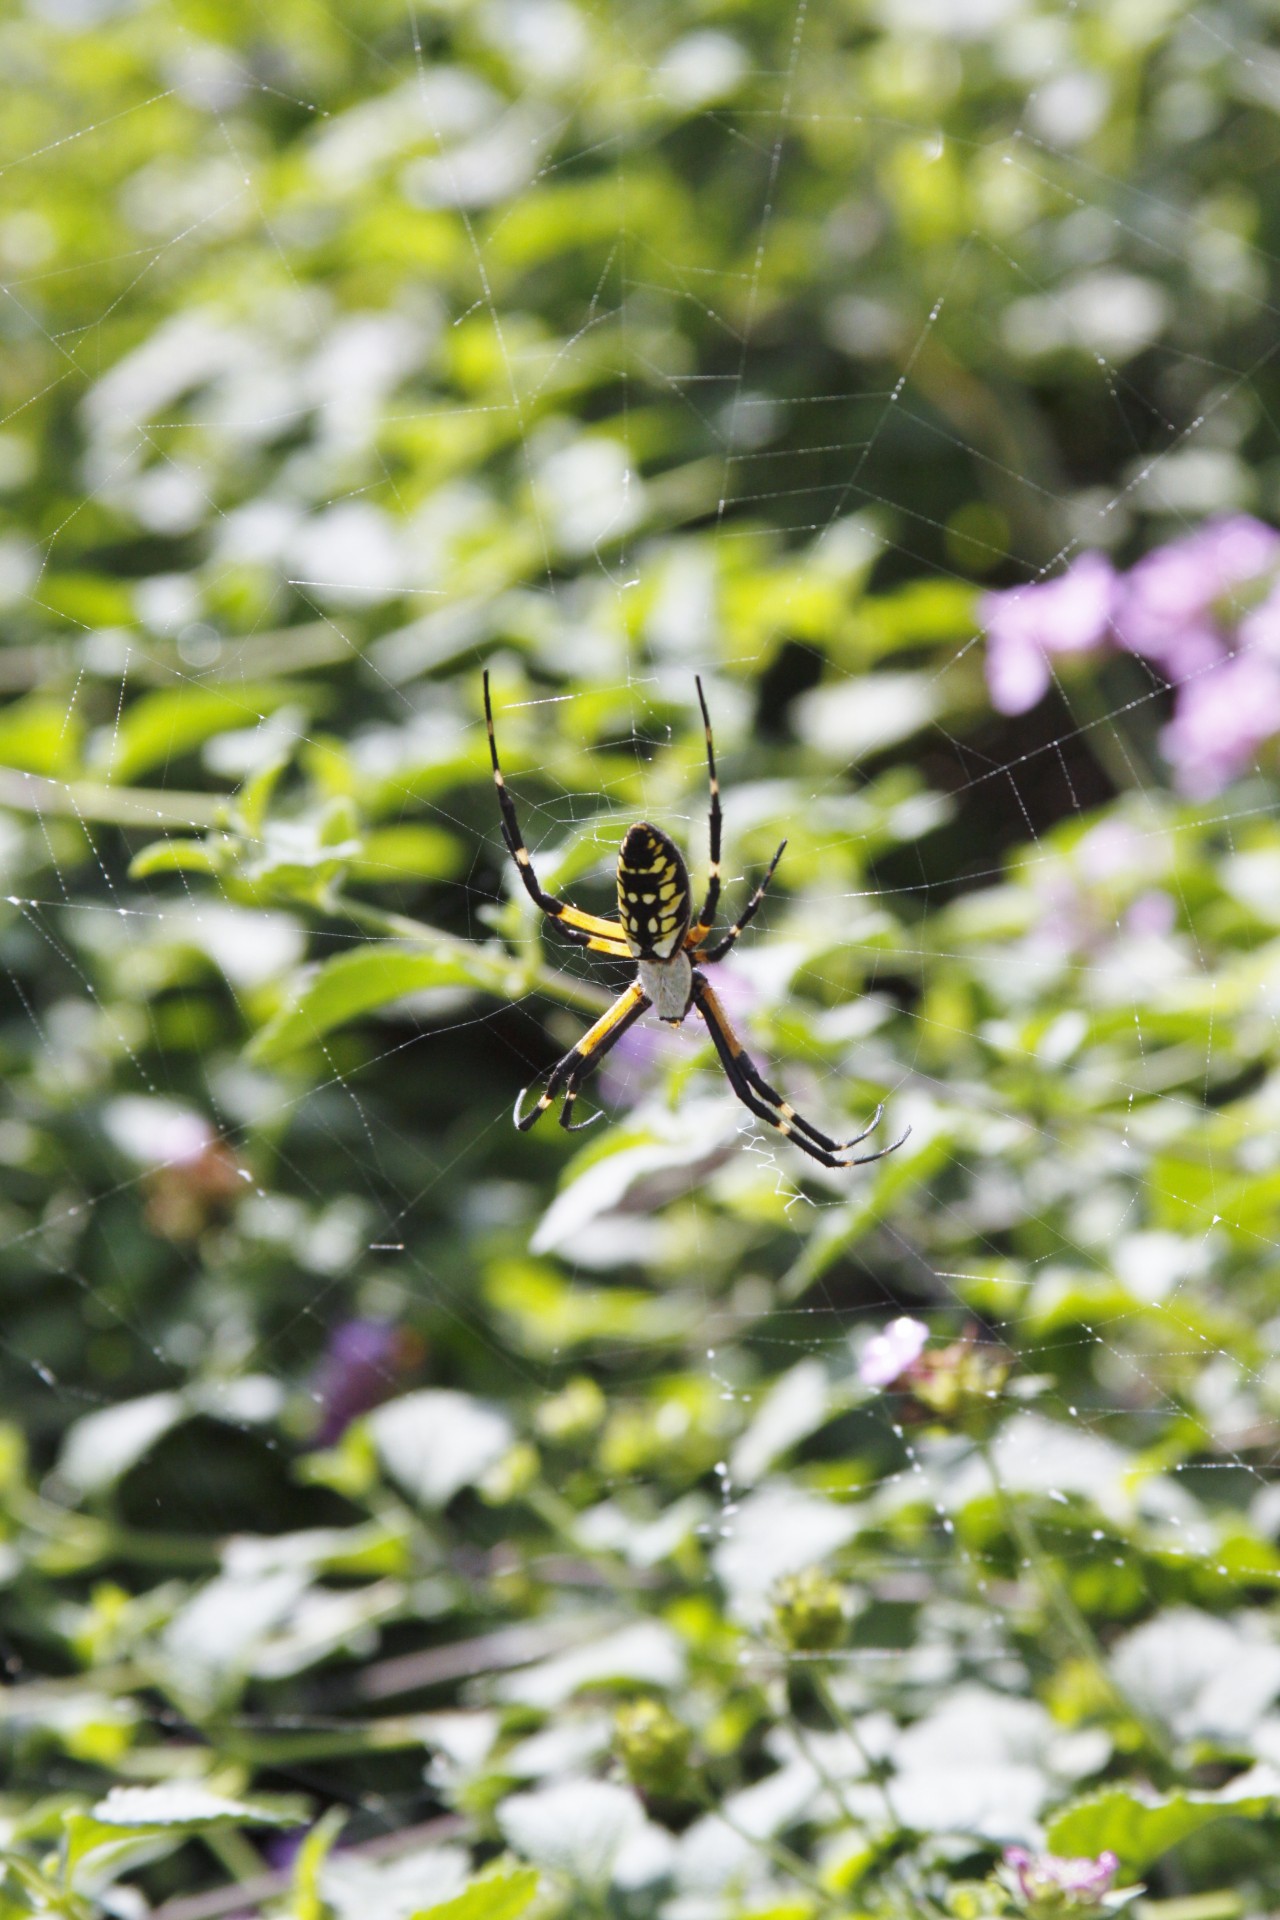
(653, 892)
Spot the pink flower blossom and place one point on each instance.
(1049, 1883)
(1026, 626)
(888, 1354)
(1167, 609)
(1221, 720)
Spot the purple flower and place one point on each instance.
(360, 1368)
(1221, 720)
(1180, 607)
(1167, 608)
(1152, 916)
(1048, 1883)
(1259, 631)
(888, 1354)
(1025, 626)
(631, 1067)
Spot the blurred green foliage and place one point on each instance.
(511, 1515)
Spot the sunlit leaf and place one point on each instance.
(435, 1443)
(576, 1827)
(352, 985)
(161, 728)
(1139, 1827)
(122, 1828)
(175, 856)
(501, 1894)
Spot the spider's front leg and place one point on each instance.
(584, 929)
(749, 912)
(569, 1073)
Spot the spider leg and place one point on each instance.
(747, 915)
(573, 1085)
(765, 1101)
(569, 1073)
(702, 925)
(578, 926)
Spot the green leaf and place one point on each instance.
(412, 851)
(163, 727)
(128, 1816)
(841, 1228)
(308, 1901)
(549, 1313)
(185, 1803)
(574, 1826)
(1139, 1827)
(88, 599)
(40, 736)
(502, 1894)
(175, 856)
(254, 795)
(435, 1442)
(351, 985)
(102, 1446)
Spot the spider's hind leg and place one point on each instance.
(755, 1093)
(569, 1073)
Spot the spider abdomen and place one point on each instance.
(653, 893)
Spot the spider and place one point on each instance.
(657, 930)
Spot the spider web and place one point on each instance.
(284, 435)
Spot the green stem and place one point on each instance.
(1096, 728)
(849, 1726)
(109, 806)
(783, 1856)
(833, 1786)
(562, 1519)
(233, 1851)
(147, 807)
(157, 663)
(75, 1541)
(1057, 1599)
(272, 1747)
(497, 973)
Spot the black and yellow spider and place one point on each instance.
(657, 930)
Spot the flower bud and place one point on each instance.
(653, 1747)
(811, 1612)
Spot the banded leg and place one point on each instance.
(569, 1073)
(706, 918)
(766, 1102)
(584, 929)
(748, 913)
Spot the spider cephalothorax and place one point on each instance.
(656, 928)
